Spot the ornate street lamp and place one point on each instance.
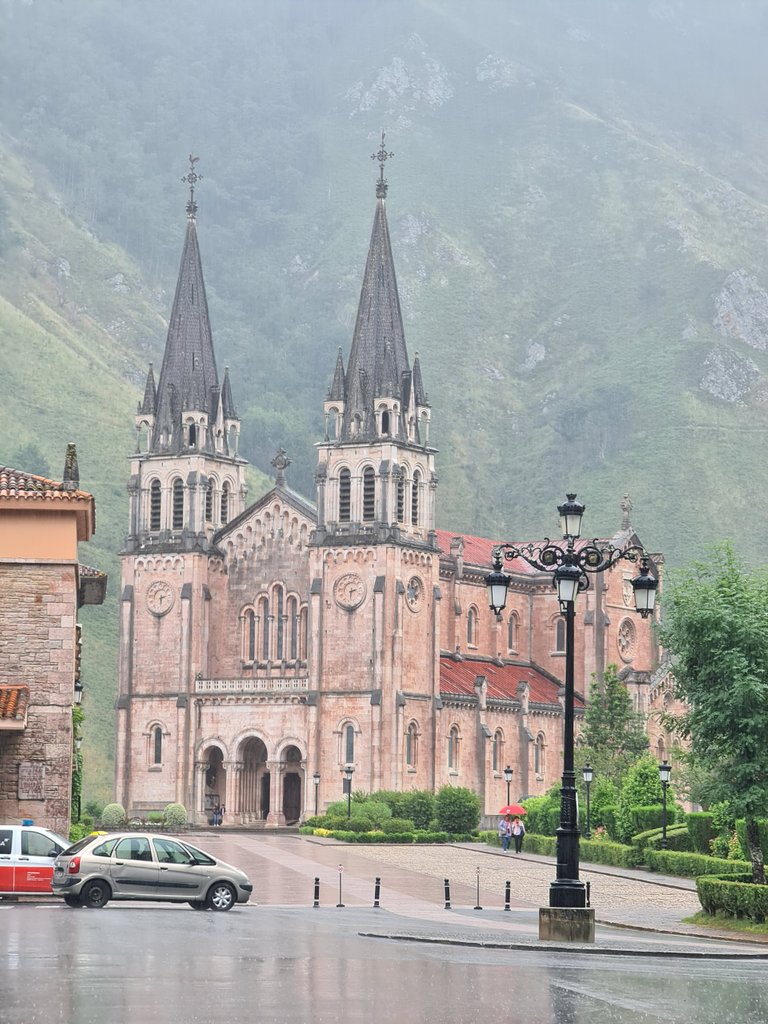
(508, 773)
(316, 781)
(665, 774)
(587, 773)
(569, 566)
(347, 772)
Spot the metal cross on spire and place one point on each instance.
(191, 178)
(382, 156)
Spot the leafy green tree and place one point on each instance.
(457, 809)
(612, 737)
(716, 629)
(641, 788)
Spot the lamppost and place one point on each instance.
(508, 772)
(348, 787)
(587, 773)
(569, 566)
(665, 773)
(316, 781)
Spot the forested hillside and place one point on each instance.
(578, 209)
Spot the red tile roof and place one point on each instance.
(457, 678)
(479, 551)
(16, 484)
(13, 707)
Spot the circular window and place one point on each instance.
(626, 640)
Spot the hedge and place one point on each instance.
(762, 830)
(692, 865)
(733, 894)
(701, 830)
(678, 838)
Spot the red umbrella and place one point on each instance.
(512, 809)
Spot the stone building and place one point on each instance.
(42, 585)
(266, 647)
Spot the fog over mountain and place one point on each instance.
(578, 210)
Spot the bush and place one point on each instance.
(395, 825)
(762, 829)
(598, 851)
(542, 814)
(650, 817)
(608, 819)
(733, 894)
(113, 816)
(678, 838)
(701, 830)
(691, 865)
(175, 815)
(155, 817)
(374, 811)
(431, 837)
(419, 806)
(457, 809)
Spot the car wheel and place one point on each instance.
(73, 901)
(197, 904)
(95, 894)
(221, 896)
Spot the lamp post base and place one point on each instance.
(567, 892)
(567, 924)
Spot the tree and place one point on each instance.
(612, 737)
(716, 630)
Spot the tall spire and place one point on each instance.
(188, 378)
(378, 360)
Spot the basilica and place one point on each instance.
(268, 650)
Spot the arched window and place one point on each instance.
(472, 626)
(209, 502)
(293, 629)
(512, 629)
(369, 494)
(345, 493)
(192, 435)
(224, 503)
(538, 755)
(157, 744)
(155, 505)
(401, 496)
(349, 744)
(264, 623)
(280, 623)
(560, 635)
(249, 635)
(178, 504)
(411, 738)
(303, 634)
(497, 757)
(385, 421)
(415, 486)
(453, 748)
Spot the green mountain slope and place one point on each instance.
(578, 209)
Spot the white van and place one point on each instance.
(27, 853)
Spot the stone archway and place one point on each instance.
(254, 787)
(215, 782)
(292, 778)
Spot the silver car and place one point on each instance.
(142, 866)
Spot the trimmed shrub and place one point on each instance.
(113, 816)
(457, 809)
(597, 851)
(395, 825)
(175, 815)
(155, 817)
(431, 837)
(543, 845)
(691, 865)
(419, 806)
(733, 894)
(542, 815)
(608, 820)
(701, 829)
(678, 838)
(646, 818)
(762, 829)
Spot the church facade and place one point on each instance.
(268, 648)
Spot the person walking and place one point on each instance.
(505, 832)
(518, 831)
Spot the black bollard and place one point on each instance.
(341, 868)
(477, 905)
(447, 894)
(507, 895)
(589, 886)
(376, 892)
(317, 893)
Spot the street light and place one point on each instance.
(665, 773)
(348, 787)
(569, 567)
(587, 773)
(508, 773)
(316, 780)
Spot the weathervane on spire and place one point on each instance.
(191, 178)
(382, 156)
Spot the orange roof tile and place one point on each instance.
(13, 706)
(17, 484)
(457, 678)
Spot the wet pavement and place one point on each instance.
(281, 961)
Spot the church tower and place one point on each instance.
(374, 557)
(186, 482)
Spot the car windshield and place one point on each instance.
(200, 857)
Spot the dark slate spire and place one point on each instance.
(228, 405)
(149, 404)
(188, 378)
(336, 390)
(378, 358)
(418, 386)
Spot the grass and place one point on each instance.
(726, 923)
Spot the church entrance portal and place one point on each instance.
(292, 785)
(254, 782)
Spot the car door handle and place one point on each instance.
(120, 863)
(163, 867)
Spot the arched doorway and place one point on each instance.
(292, 785)
(254, 781)
(215, 782)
